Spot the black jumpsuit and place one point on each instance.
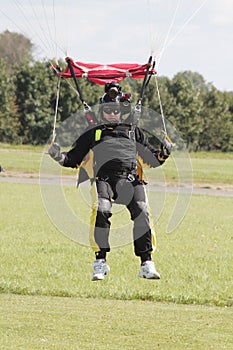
(116, 149)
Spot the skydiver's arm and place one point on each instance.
(75, 156)
(150, 156)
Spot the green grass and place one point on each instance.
(216, 169)
(20, 158)
(38, 259)
(200, 168)
(37, 322)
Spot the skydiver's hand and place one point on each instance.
(166, 148)
(55, 152)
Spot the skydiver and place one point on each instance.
(115, 146)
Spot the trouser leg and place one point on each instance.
(102, 223)
(142, 234)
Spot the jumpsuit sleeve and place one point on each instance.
(75, 156)
(149, 155)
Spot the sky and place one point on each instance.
(195, 35)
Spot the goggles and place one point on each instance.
(110, 110)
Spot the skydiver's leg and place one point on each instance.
(102, 223)
(142, 230)
(144, 239)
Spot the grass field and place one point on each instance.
(47, 300)
(72, 323)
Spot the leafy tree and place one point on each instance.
(15, 48)
(196, 80)
(186, 112)
(217, 128)
(35, 96)
(9, 120)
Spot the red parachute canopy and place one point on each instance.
(105, 73)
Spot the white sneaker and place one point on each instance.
(147, 270)
(101, 269)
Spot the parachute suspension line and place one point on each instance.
(46, 39)
(57, 70)
(161, 107)
(55, 30)
(155, 39)
(87, 108)
(55, 41)
(43, 34)
(27, 27)
(168, 43)
(151, 37)
(164, 46)
(48, 29)
(56, 109)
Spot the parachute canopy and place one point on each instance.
(105, 73)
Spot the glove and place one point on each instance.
(166, 148)
(55, 152)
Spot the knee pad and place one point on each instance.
(142, 206)
(104, 205)
(139, 210)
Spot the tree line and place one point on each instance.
(202, 114)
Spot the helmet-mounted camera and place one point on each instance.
(112, 89)
(125, 100)
(114, 94)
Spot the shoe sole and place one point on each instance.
(150, 278)
(99, 278)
